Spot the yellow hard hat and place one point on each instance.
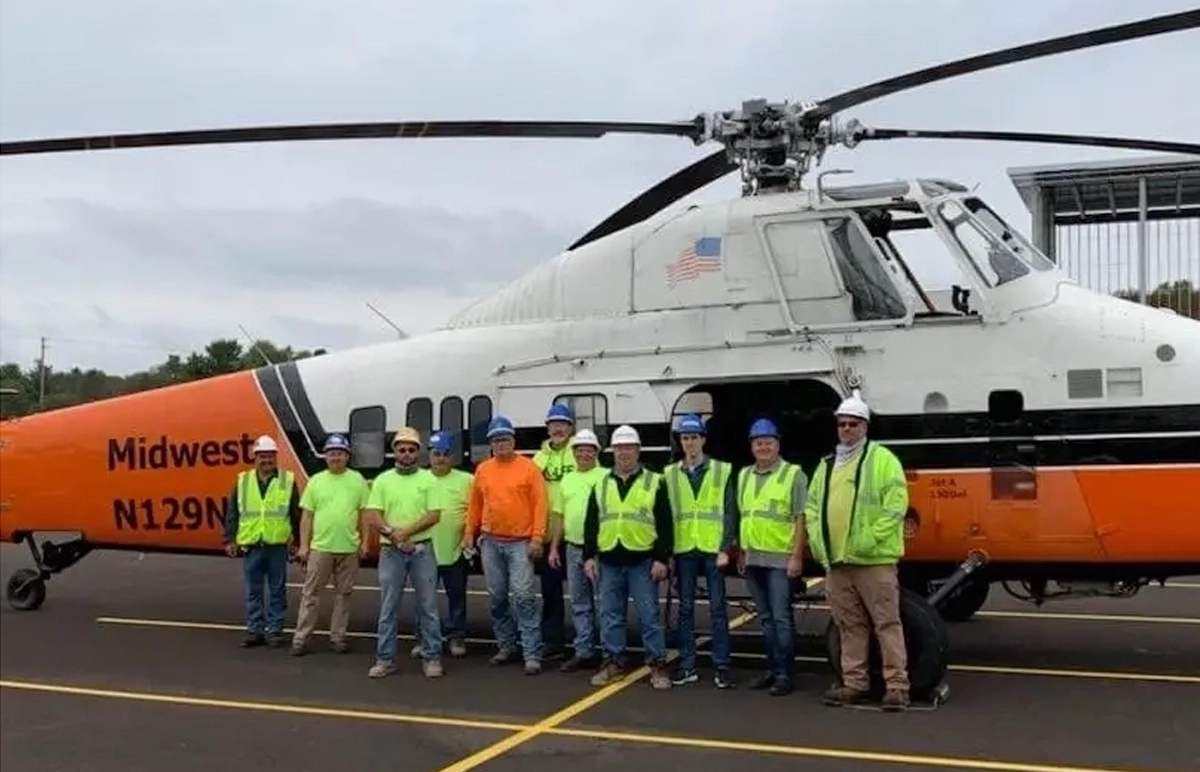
(407, 434)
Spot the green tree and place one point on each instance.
(1180, 296)
(22, 387)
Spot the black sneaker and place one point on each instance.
(253, 639)
(681, 676)
(723, 679)
(764, 681)
(781, 687)
(580, 663)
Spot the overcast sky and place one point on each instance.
(120, 258)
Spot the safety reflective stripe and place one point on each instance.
(264, 517)
(283, 479)
(629, 522)
(698, 515)
(767, 520)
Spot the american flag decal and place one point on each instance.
(702, 256)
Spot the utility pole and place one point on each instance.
(42, 373)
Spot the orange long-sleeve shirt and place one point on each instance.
(508, 500)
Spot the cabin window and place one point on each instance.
(450, 421)
(479, 414)
(873, 293)
(591, 412)
(368, 442)
(419, 416)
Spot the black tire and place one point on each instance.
(925, 638)
(26, 590)
(964, 602)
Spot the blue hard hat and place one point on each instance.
(560, 413)
(336, 442)
(763, 428)
(500, 427)
(691, 424)
(441, 441)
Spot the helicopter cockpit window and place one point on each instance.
(873, 294)
(989, 254)
(1012, 237)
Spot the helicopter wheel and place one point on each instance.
(26, 590)
(925, 639)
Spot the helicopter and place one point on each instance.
(1049, 433)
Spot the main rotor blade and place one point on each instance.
(1125, 143)
(1157, 25)
(681, 183)
(390, 130)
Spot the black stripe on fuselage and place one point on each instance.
(1069, 437)
(302, 437)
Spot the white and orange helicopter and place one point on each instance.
(1051, 434)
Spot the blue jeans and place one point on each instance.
(265, 562)
(395, 569)
(618, 583)
(584, 600)
(772, 592)
(507, 568)
(689, 567)
(454, 582)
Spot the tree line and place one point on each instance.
(41, 387)
(1180, 296)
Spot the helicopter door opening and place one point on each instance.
(932, 276)
(802, 409)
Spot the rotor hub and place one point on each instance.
(776, 143)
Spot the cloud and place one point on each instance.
(119, 257)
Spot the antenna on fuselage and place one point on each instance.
(399, 332)
(255, 346)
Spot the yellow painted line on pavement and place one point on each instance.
(638, 738)
(269, 707)
(1098, 675)
(566, 714)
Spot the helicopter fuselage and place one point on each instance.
(1052, 429)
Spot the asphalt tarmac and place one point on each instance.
(133, 664)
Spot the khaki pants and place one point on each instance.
(862, 598)
(321, 567)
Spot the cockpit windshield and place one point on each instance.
(999, 253)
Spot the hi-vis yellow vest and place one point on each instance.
(264, 519)
(699, 518)
(629, 522)
(768, 524)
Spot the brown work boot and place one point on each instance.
(895, 700)
(843, 695)
(659, 677)
(609, 672)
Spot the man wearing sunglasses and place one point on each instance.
(854, 522)
(404, 509)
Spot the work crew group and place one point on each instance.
(610, 535)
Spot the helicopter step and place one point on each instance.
(26, 587)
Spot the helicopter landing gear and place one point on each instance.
(26, 587)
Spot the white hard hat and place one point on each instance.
(585, 437)
(854, 406)
(265, 444)
(626, 435)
